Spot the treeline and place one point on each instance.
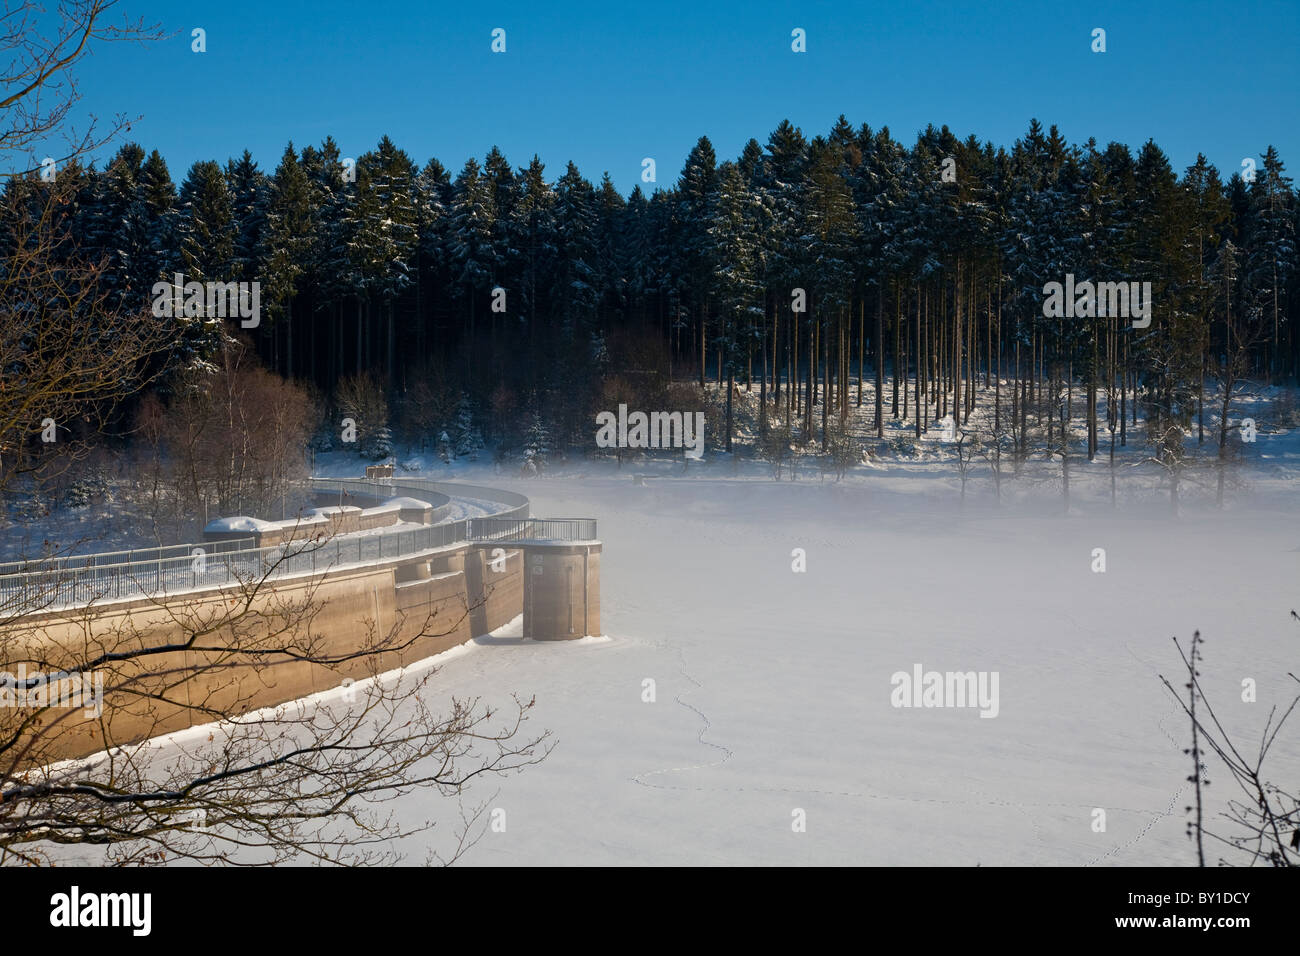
(806, 268)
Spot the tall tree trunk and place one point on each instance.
(1200, 402)
(1123, 397)
(826, 381)
(288, 331)
(776, 353)
(898, 325)
(862, 344)
(1092, 399)
(880, 362)
(730, 388)
(791, 390)
(956, 351)
(996, 371)
(920, 415)
(392, 343)
(704, 359)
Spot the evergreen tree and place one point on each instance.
(206, 234)
(735, 272)
(538, 244)
(1271, 244)
(157, 195)
(505, 189)
(466, 438)
(382, 230)
(207, 227)
(470, 243)
(433, 196)
(938, 278)
(113, 226)
(611, 245)
(537, 445)
(288, 240)
(697, 193)
(248, 189)
(574, 291)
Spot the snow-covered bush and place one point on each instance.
(715, 417)
(30, 507)
(377, 444)
(843, 451)
(537, 446)
(902, 446)
(322, 440)
(466, 437)
(86, 490)
(774, 446)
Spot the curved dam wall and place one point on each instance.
(418, 605)
(416, 608)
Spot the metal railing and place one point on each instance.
(27, 587)
(115, 558)
(532, 529)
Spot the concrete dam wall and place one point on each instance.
(356, 618)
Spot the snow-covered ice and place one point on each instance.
(773, 688)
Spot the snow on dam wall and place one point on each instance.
(417, 605)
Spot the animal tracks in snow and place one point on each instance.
(653, 779)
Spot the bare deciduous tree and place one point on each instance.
(230, 442)
(38, 86)
(67, 357)
(361, 398)
(1264, 818)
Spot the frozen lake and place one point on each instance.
(773, 688)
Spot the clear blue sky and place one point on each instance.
(605, 84)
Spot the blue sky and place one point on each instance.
(606, 84)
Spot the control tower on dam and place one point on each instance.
(560, 569)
